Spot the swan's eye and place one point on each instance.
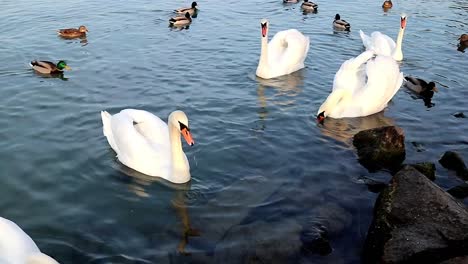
(182, 126)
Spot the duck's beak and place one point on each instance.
(321, 117)
(435, 89)
(188, 136)
(67, 68)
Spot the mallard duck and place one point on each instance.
(47, 67)
(181, 21)
(191, 10)
(387, 4)
(309, 6)
(73, 32)
(340, 23)
(420, 86)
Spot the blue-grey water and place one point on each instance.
(262, 170)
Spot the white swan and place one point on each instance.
(383, 44)
(146, 144)
(16, 247)
(284, 54)
(353, 95)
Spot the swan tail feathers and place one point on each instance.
(107, 129)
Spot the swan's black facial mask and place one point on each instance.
(264, 29)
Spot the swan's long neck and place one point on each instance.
(397, 53)
(264, 51)
(180, 172)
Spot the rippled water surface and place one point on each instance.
(260, 159)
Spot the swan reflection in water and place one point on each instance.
(136, 183)
(344, 129)
(286, 88)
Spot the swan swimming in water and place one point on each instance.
(147, 144)
(383, 44)
(362, 86)
(16, 247)
(284, 54)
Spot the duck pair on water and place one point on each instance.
(182, 21)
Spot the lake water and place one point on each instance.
(260, 159)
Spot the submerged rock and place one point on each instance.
(451, 160)
(261, 242)
(415, 221)
(380, 148)
(373, 185)
(459, 115)
(460, 191)
(426, 168)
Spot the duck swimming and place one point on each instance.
(191, 10)
(387, 4)
(47, 67)
(420, 86)
(73, 32)
(342, 24)
(181, 21)
(309, 6)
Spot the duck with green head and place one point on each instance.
(47, 67)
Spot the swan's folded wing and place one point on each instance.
(384, 79)
(351, 74)
(382, 44)
(143, 146)
(288, 48)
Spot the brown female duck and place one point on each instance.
(73, 32)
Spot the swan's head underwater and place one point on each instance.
(180, 121)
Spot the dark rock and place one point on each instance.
(415, 221)
(451, 160)
(380, 148)
(426, 168)
(261, 242)
(457, 260)
(460, 191)
(459, 115)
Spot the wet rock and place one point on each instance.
(380, 148)
(459, 115)
(460, 191)
(415, 221)
(261, 242)
(451, 160)
(426, 168)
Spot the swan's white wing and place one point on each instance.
(351, 74)
(366, 40)
(143, 146)
(15, 244)
(287, 50)
(384, 79)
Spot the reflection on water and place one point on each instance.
(286, 88)
(58, 75)
(137, 182)
(344, 129)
